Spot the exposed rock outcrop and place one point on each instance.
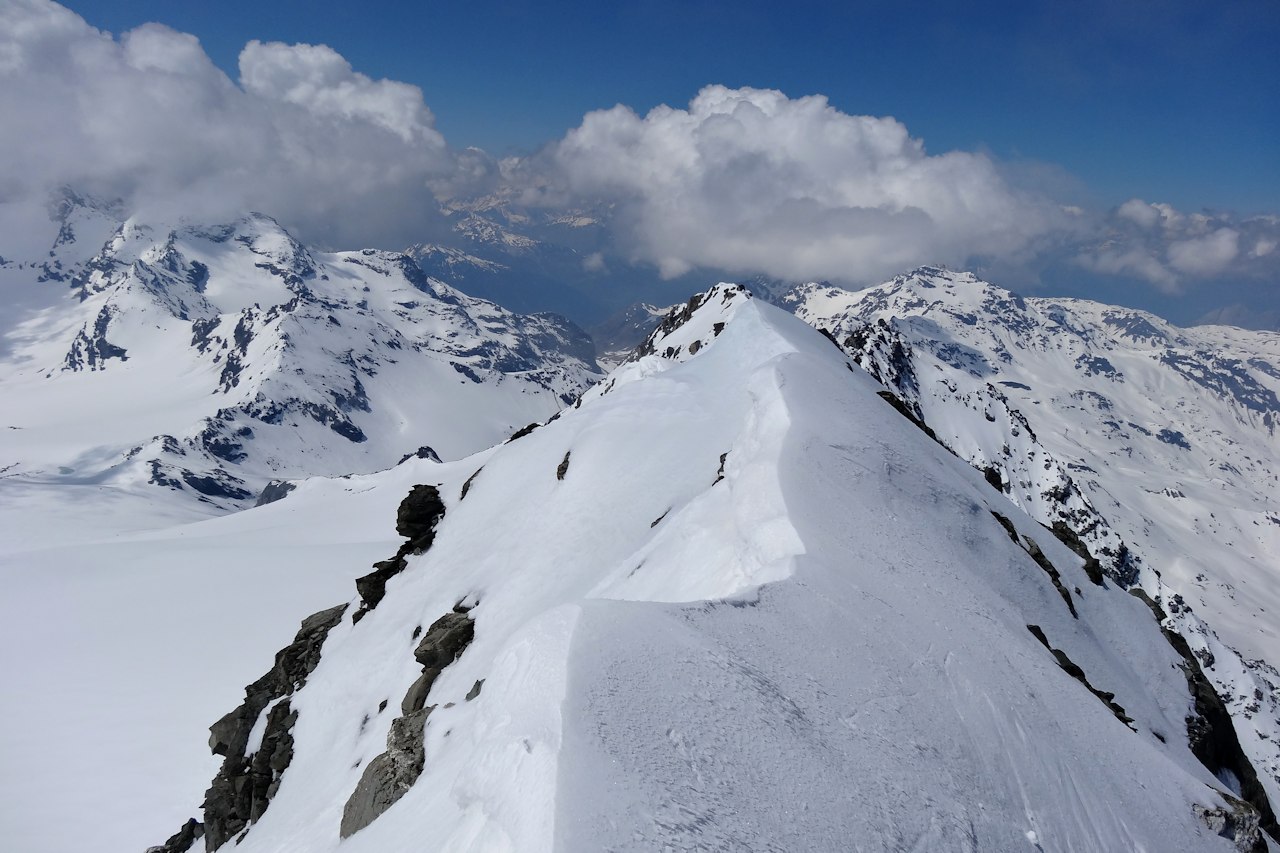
(251, 772)
(1072, 540)
(182, 840)
(274, 491)
(1033, 550)
(389, 775)
(1238, 823)
(1073, 669)
(416, 520)
(423, 452)
(1210, 732)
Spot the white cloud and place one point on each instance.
(749, 180)
(1171, 250)
(1138, 211)
(345, 159)
(1130, 262)
(318, 79)
(1205, 256)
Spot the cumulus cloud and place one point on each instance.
(147, 117)
(317, 79)
(1205, 256)
(749, 180)
(1172, 250)
(1134, 262)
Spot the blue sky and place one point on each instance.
(1167, 101)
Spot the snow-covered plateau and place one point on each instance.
(731, 597)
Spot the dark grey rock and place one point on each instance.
(466, 487)
(416, 697)
(423, 452)
(373, 586)
(274, 491)
(1071, 539)
(445, 640)
(1238, 823)
(1210, 732)
(1073, 669)
(416, 519)
(1033, 550)
(244, 785)
(523, 431)
(182, 840)
(388, 776)
(418, 514)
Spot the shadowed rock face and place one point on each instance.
(417, 516)
(245, 784)
(388, 776)
(274, 491)
(182, 840)
(1072, 669)
(1212, 738)
(416, 520)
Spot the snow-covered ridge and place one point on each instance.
(731, 600)
(1155, 444)
(212, 359)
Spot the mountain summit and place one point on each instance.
(733, 600)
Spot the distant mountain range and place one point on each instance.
(215, 358)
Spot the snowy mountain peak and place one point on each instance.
(687, 328)
(277, 362)
(734, 570)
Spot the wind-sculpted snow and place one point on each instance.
(733, 601)
(1156, 445)
(213, 359)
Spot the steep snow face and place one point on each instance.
(733, 600)
(1158, 445)
(212, 359)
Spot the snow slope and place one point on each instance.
(210, 359)
(119, 648)
(733, 600)
(1157, 444)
